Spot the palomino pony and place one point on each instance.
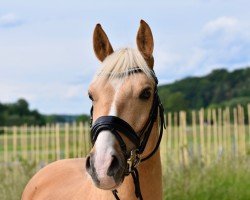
(126, 113)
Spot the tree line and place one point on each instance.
(18, 113)
(219, 89)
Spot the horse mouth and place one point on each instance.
(111, 184)
(109, 187)
(107, 178)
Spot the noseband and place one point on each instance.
(118, 126)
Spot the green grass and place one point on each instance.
(14, 178)
(220, 181)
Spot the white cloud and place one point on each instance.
(48, 97)
(225, 42)
(10, 20)
(222, 43)
(227, 24)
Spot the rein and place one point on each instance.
(117, 125)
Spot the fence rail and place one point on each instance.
(212, 134)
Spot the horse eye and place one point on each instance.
(145, 94)
(90, 97)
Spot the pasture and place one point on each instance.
(206, 159)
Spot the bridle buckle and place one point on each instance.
(134, 160)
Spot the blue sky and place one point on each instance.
(46, 51)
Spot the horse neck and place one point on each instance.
(150, 174)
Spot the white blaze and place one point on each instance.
(104, 144)
(116, 86)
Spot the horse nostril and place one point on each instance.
(88, 165)
(114, 166)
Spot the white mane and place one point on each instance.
(119, 64)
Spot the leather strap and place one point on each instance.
(116, 123)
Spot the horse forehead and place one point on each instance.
(126, 85)
(135, 83)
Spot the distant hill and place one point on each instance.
(219, 88)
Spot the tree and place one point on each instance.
(176, 102)
(22, 107)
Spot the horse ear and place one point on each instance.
(145, 43)
(102, 46)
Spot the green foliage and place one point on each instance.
(175, 101)
(14, 178)
(18, 114)
(220, 87)
(82, 118)
(51, 119)
(221, 181)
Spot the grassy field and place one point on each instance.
(201, 161)
(220, 181)
(14, 178)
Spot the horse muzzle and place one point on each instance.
(106, 163)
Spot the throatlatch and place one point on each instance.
(117, 125)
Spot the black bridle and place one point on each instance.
(117, 125)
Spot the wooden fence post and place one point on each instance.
(88, 140)
(215, 138)
(24, 141)
(224, 131)
(236, 144)
(169, 134)
(180, 136)
(241, 133)
(47, 133)
(185, 143)
(229, 135)
(202, 143)
(52, 157)
(5, 139)
(220, 131)
(14, 129)
(208, 136)
(80, 140)
(194, 131)
(58, 152)
(66, 140)
(176, 139)
(32, 143)
(43, 147)
(248, 115)
(37, 145)
(74, 140)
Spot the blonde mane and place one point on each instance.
(120, 64)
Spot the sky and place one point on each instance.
(46, 53)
